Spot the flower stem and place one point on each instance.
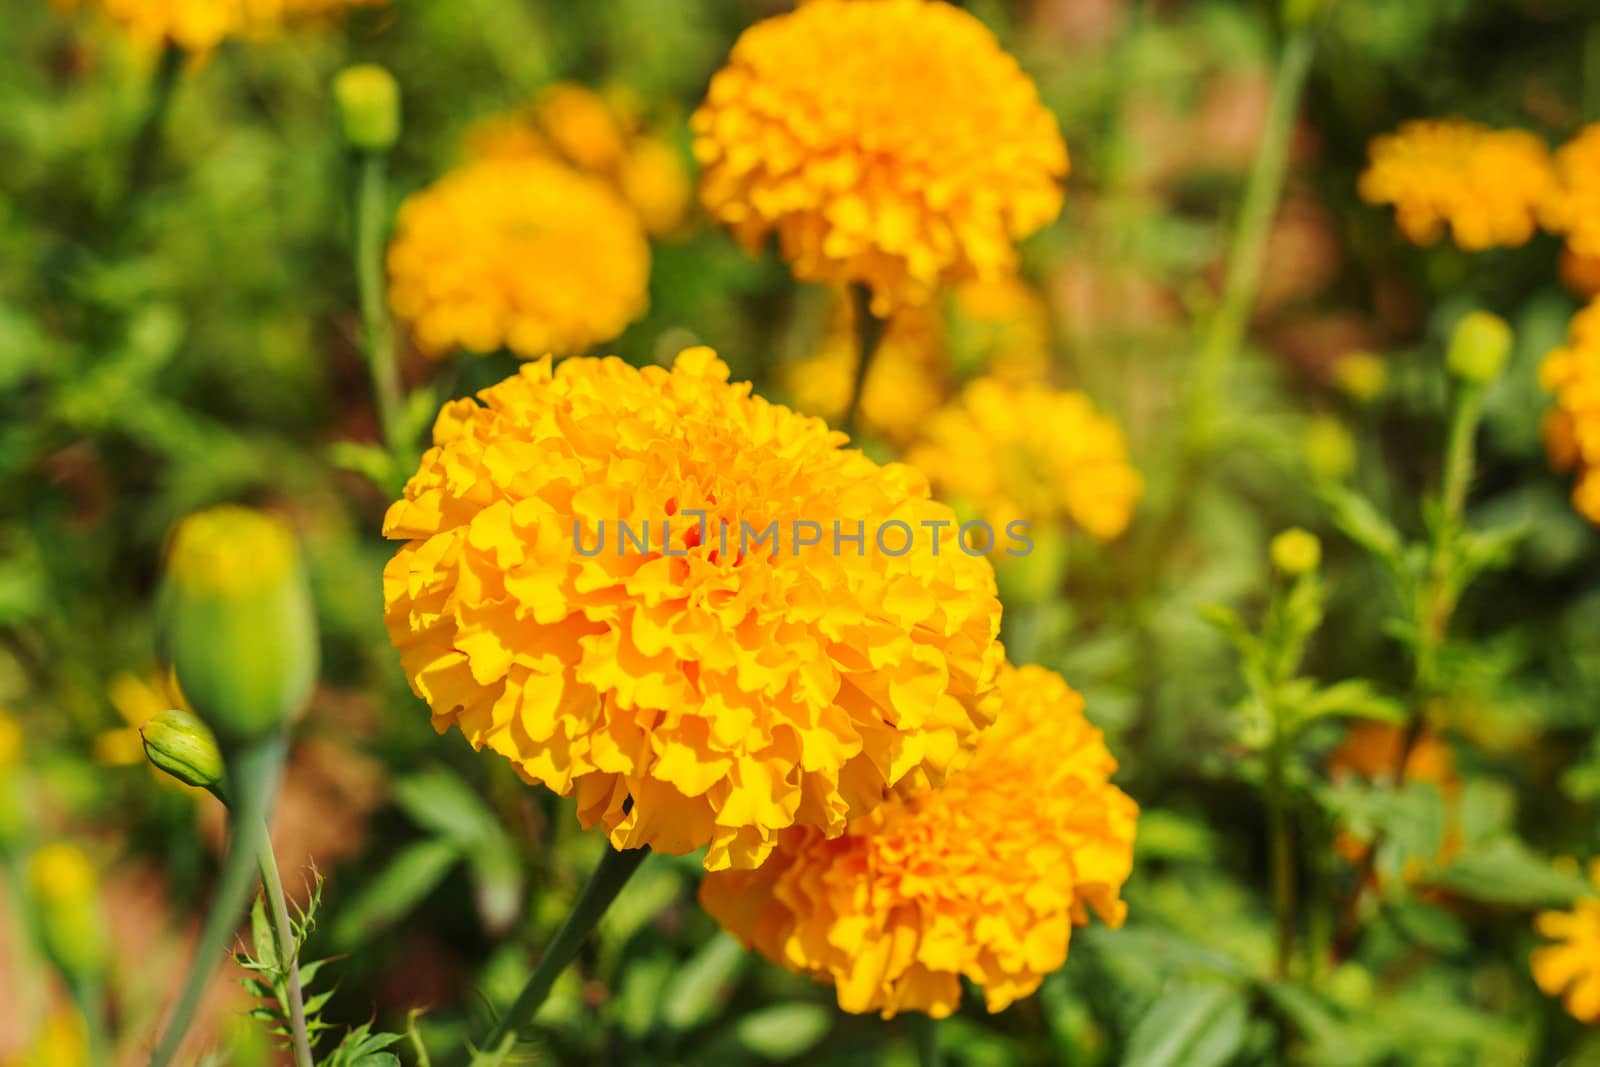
(1281, 845)
(869, 335)
(1226, 332)
(253, 780)
(288, 951)
(377, 330)
(147, 141)
(926, 1029)
(613, 873)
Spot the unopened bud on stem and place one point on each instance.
(369, 107)
(184, 747)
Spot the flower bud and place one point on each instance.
(66, 893)
(1361, 376)
(369, 107)
(1329, 449)
(237, 623)
(1479, 348)
(183, 746)
(1296, 552)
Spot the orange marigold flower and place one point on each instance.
(1572, 425)
(201, 25)
(729, 688)
(983, 878)
(524, 254)
(1572, 206)
(1570, 967)
(599, 135)
(891, 143)
(1581, 273)
(1031, 452)
(1487, 185)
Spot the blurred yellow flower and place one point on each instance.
(890, 143)
(724, 679)
(10, 740)
(1002, 326)
(1032, 453)
(1487, 185)
(601, 136)
(1572, 425)
(61, 1040)
(201, 25)
(1362, 376)
(982, 879)
(66, 889)
(520, 253)
(1570, 967)
(1572, 206)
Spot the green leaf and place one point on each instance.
(1353, 698)
(410, 876)
(1191, 1026)
(1506, 871)
(783, 1032)
(703, 983)
(439, 801)
(1362, 522)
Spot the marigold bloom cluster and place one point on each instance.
(520, 253)
(1486, 185)
(1569, 967)
(1572, 425)
(201, 25)
(1573, 205)
(729, 696)
(982, 879)
(600, 136)
(890, 143)
(1034, 453)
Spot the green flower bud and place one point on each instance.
(1329, 449)
(1296, 552)
(1479, 348)
(1361, 376)
(184, 747)
(237, 623)
(369, 107)
(66, 895)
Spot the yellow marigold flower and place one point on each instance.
(524, 254)
(1572, 425)
(891, 143)
(597, 135)
(908, 380)
(983, 878)
(725, 680)
(1371, 752)
(201, 25)
(1487, 185)
(1032, 453)
(1570, 967)
(1581, 273)
(1572, 206)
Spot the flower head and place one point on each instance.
(201, 25)
(1031, 452)
(1572, 425)
(891, 143)
(524, 254)
(1487, 185)
(983, 878)
(727, 681)
(1570, 966)
(1572, 206)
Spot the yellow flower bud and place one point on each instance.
(66, 892)
(369, 107)
(1479, 348)
(183, 746)
(1361, 376)
(1329, 449)
(237, 623)
(1296, 552)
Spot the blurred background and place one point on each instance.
(198, 341)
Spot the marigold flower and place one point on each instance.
(201, 25)
(1031, 452)
(1572, 206)
(983, 878)
(1487, 185)
(1570, 967)
(727, 688)
(891, 143)
(1572, 425)
(524, 254)
(1581, 273)
(1371, 752)
(600, 136)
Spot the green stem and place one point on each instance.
(1262, 193)
(869, 335)
(90, 997)
(926, 1029)
(252, 784)
(147, 141)
(1436, 602)
(1281, 845)
(613, 873)
(377, 330)
(288, 951)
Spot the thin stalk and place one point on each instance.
(869, 335)
(377, 330)
(253, 782)
(147, 141)
(288, 951)
(1262, 193)
(926, 1029)
(613, 873)
(1281, 844)
(90, 996)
